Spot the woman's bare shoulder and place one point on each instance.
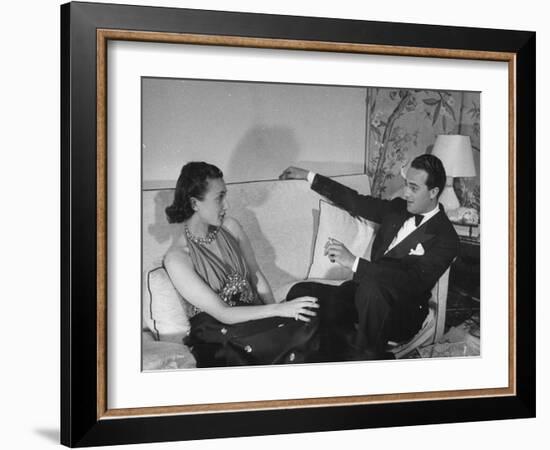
(178, 253)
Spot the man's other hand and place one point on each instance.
(338, 252)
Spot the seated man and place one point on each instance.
(388, 296)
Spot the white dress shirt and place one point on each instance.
(407, 228)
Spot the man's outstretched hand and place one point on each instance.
(294, 173)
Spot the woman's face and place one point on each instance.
(211, 209)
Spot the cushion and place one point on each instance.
(165, 311)
(165, 355)
(355, 233)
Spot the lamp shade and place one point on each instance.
(455, 152)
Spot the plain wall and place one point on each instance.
(252, 131)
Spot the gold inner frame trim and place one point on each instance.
(103, 36)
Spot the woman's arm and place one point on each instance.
(184, 278)
(261, 284)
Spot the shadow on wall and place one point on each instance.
(262, 146)
(160, 229)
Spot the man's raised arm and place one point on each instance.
(356, 204)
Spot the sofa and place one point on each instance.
(288, 225)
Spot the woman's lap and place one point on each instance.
(273, 340)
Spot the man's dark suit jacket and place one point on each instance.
(407, 278)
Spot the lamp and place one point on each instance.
(455, 152)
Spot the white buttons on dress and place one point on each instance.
(292, 357)
(248, 349)
(223, 331)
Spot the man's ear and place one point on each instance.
(434, 192)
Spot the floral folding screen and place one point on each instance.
(404, 123)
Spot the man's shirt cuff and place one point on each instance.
(355, 264)
(310, 177)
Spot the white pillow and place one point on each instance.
(355, 233)
(165, 312)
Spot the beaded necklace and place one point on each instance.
(201, 240)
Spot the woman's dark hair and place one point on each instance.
(433, 166)
(192, 182)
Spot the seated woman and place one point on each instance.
(235, 319)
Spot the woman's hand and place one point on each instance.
(299, 308)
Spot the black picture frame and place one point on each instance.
(82, 420)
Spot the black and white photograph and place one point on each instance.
(287, 223)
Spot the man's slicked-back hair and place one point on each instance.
(433, 166)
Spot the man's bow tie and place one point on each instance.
(417, 218)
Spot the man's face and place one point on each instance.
(419, 198)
